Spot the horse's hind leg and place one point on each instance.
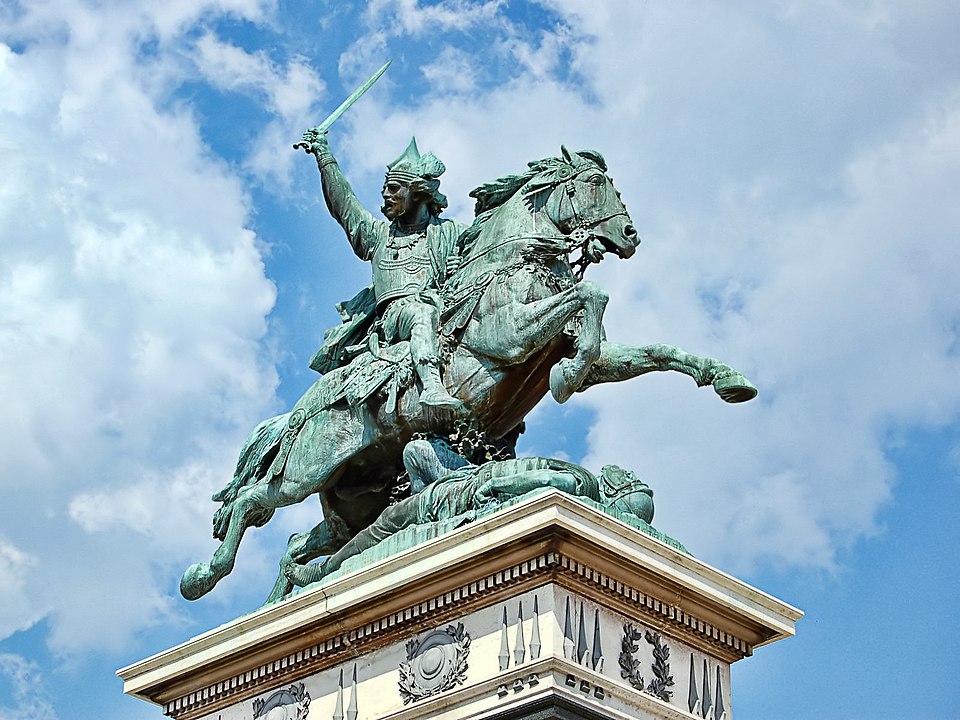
(200, 578)
(324, 539)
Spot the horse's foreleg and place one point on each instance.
(513, 331)
(621, 362)
(568, 375)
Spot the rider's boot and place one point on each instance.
(434, 393)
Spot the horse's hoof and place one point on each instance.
(197, 581)
(734, 388)
(560, 387)
(280, 591)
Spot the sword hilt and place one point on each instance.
(304, 143)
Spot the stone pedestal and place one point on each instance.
(549, 609)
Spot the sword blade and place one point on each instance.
(345, 105)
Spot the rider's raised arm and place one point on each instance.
(357, 222)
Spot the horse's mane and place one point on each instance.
(492, 195)
(542, 174)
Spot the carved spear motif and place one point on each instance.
(338, 708)
(535, 633)
(504, 655)
(597, 650)
(519, 650)
(582, 639)
(693, 698)
(705, 703)
(719, 711)
(352, 707)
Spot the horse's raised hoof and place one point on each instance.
(560, 386)
(197, 581)
(734, 388)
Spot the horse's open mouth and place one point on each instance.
(599, 245)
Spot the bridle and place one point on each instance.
(581, 225)
(580, 235)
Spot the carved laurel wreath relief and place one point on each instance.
(292, 703)
(434, 664)
(662, 680)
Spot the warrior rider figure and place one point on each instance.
(412, 252)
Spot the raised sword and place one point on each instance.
(335, 115)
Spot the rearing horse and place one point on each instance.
(516, 290)
(519, 321)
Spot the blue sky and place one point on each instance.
(167, 268)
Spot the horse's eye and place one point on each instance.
(595, 180)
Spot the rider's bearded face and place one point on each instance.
(399, 201)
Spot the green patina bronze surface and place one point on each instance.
(472, 492)
(463, 330)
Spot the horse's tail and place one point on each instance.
(254, 461)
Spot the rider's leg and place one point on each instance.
(420, 323)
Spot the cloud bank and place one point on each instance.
(133, 306)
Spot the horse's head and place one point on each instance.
(584, 204)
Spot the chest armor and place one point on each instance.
(402, 266)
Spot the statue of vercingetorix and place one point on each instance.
(411, 252)
(518, 291)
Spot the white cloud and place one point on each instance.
(29, 693)
(453, 71)
(17, 611)
(132, 305)
(289, 91)
(411, 17)
(538, 59)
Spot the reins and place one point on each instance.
(576, 239)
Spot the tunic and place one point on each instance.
(404, 262)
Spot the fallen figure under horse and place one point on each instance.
(518, 321)
(449, 498)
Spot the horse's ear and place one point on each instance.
(567, 156)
